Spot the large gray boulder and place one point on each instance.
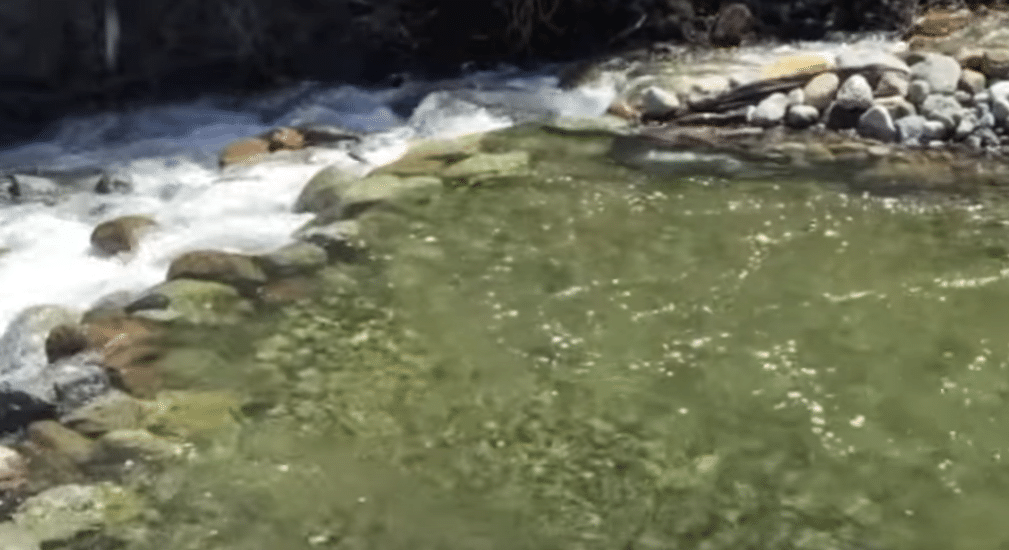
(941, 72)
(877, 124)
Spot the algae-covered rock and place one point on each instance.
(429, 157)
(112, 411)
(60, 513)
(198, 303)
(140, 444)
(386, 188)
(14, 537)
(192, 414)
(489, 164)
(607, 125)
(341, 239)
(300, 258)
(324, 191)
(57, 440)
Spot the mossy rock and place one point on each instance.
(324, 191)
(63, 512)
(198, 303)
(489, 164)
(430, 157)
(192, 415)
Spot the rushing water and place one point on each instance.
(584, 357)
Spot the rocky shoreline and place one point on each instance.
(84, 393)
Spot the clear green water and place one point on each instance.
(593, 358)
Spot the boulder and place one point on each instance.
(892, 84)
(942, 108)
(770, 111)
(65, 340)
(245, 152)
(237, 270)
(299, 258)
(917, 91)
(658, 103)
(898, 107)
(821, 89)
(911, 129)
(341, 239)
(113, 411)
(801, 116)
(288, 139)
(59, 514)
(854, 94)
(198, 302)
(374, 190)
(22, 346)
(973, 81)
(130, 348)
(876, 123)
(121, 234)
(324, 191)
(429, 157)
(53, 438)
(940, 71)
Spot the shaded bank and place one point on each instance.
(101, 53)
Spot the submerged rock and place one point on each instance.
(198, 302)
(60, 513)
(300, 258)
(113, 411)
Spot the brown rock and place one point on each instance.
(732, 24)
(286, 139)
(622, 109)
(936, 23)
(245, 151)
(237, 270)
(51, 436)
(65, 341)
(121, 234)
(130, 349)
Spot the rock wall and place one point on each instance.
(97, 53)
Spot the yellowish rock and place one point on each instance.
(792, 65)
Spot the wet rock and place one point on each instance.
(300, 258)
(130, 348)
(65, 340)
(877, 124)
(489, 164)
(19, 409)
(22, 346)
(770, 111)
(289, 290)
(892, 84)
(705, 88)
(187, 367)
(796, 97)
(13, 537)
(999, 90)
(801, 116)
(288, 139)
(911, 129)
(237, 270)
(52, 437)
(965, 127)
(1000, 111)
(430, 157)
(603, 126)
(797, 64)
(61, 513)
(973, 81)
(898, 107)
(821, 89)
(190, 415)
(245, 152)
(917, 91)
(121, 234)
(942, 108)
(113, 183)
(941, 72)
(659, 103)
(732, 23)
(198, 302)
(151, 301)
(113, 411)
(127, 444)
(622, 109)
(374, 190)
(13, 470)
(324, 191)
(74, 381)
(935, 130)
(855, 93)
(341, 239)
